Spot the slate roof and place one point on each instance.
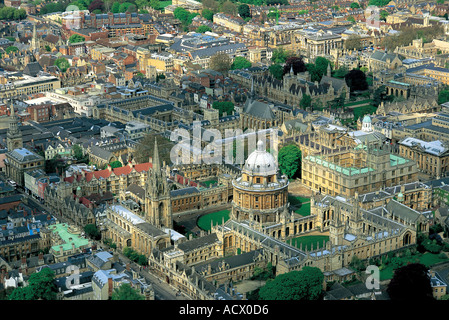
(32, 69)
(259, 110)
(198, 243)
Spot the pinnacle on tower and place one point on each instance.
(156, 162)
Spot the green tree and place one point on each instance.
(74, 38)
(115, 7)
(220, 62)
(306, 102)
(41, 286)
(203, 29)
(207, 14)
(229, 8)
(223, 106)
(10, 49)
(244, 11)
(289, 158)
(155, 4)
(378, 3)
(276, 70)
(356, 80)
(355, 5)
(280, 55)
(62, 63)
(306, 284)
(240, 63)
(115, 164)
(350, 19)
(443, 95)
(410, 283)
(126, 292)
(77, 152)
(92, 231)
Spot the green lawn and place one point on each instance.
(209, 182)
(217, 218)
(164, 4)
(304, 210)
(307, 241)
(361, 111)
(302, 203)
(428, 259)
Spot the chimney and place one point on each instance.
(128, 267)
(40, 260)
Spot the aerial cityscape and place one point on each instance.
(224, 150)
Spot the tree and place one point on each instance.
(383, 15)
(280, 55)
(229, 8)
(296, 62)
(356, 80)
(208, 14)
(77, 152)
(378, 3)
(289, 159)
(203, 29)
(184, 16)
(126, 292)
(410, 283)
(41, 286)
(321, 64)
(155, 4)
(74, 38)
(115, 7)
(223, 106)
(244, 11)
(276, 71)
(92, 231)
(306, 284)
(240, 63)
(355, 5)
(115, 164)
(220, 62)
(96, 5)
(350, 19)
(443, 95)
(353, 42)
(306, 102)
(62, 63)
(10, 49)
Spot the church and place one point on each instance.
(19, 159)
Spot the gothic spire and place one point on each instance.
(156, 162)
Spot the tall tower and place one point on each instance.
(35, 43)
(157, 198)
(14, 138)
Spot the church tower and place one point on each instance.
(35, 43)
(157, 198)
(14, 138)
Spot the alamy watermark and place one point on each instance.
(209, 146)
(372, 282)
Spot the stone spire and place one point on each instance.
(156, 161)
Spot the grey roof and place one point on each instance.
(383, 56)
(25, 155)
(183, 191)
(259, 109)
(150, 229)
(136, 189)
(198, 243)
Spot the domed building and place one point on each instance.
(261, 192)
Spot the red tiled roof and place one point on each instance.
(106, 173)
